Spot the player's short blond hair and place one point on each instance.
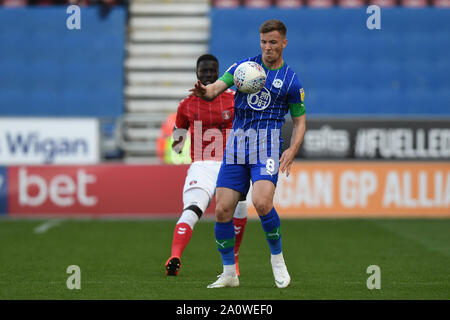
(273, 25)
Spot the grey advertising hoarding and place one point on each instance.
(373, 139)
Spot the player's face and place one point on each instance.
(272, 46)
(207, 72)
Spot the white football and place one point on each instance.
(249, 77)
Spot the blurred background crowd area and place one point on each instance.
(249, 3)
(89, 96)
(19, 3)
(326, 3)
(129, 67)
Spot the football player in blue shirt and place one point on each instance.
(254, 147)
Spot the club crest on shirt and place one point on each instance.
(226, 114)
(260, 100)
(277, 83)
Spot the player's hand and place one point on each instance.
(286, 160)
(199, 89)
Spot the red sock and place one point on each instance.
(239, 227)
(181, 236)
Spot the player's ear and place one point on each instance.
(284, 43)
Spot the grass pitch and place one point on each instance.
(327, 259)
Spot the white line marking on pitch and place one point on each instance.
(44, 227)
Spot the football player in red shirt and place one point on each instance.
(208, 123)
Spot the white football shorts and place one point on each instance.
(203, 175)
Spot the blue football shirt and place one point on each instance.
(265, 111)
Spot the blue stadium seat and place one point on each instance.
(44, 46)
(13, 74)
(97, 103)
(385, 74)
(11, 47)
(419, 74)
(42, 20)
(347, 20)
(347, 68)
(353, 73)
(76, 101)
(420, 101)
(353, 102)
(43, 98)
(47, 69)
(385, 101)
(354, 46)
(315, 45)
(322, 100)
(412, 20)
(44, 74)
(442, 40)
(419, 45)
(11, 100)
(441, 74)
(79, 48)
(320, 73)
(385, 46)
(442, 100)
(78, 75)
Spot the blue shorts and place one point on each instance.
(238, 176)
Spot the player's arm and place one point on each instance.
(298, 132)
(296, 104)
(180, 128)
(209, 92)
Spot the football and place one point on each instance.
(249, 77)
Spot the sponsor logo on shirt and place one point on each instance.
(260, 100)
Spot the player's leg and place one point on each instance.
(226, 202)
(197, 194)
(239, 222)
(232, 182)
(195, 203)
(262, 197)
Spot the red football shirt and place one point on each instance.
(199, 116)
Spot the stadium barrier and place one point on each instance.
(313, 189)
